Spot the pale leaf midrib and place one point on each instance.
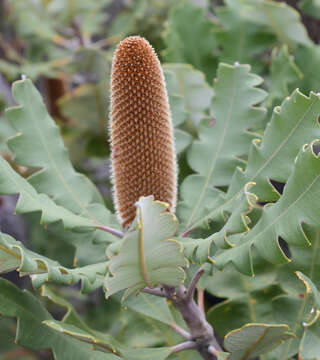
(143, 265)
(54, 165)
(217, 153)
(24, 191)
(277, 150)
(280, 215)
(254, 345)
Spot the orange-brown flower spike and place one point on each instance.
(142, 144)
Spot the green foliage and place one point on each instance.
(33, 333)
(212, 157)
(255, 339)
(283, 73)
(248, 168)
(195, 94)
(147, 252)
(182, 40)
(38, 144)
(280, 19)
(284, 219)
(14, 256)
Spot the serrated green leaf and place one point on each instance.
(280, 18)
(292, 125)
(224, 139)
(176, 100)
(255, 339)
(38, 144)
(32, 333)
(86, 107)
(178, 114)
(312, 294)
(182, 140)
(102, 342)
(309, 348)
(296, 305)
(71, 316)
(309, 345)
(291, 311)
(148, 256)
(182, 40)
(241, 40)
(151, 306)
(7, 346)
(14, 256)
(283, 72)
(307, 58)
(305, 260)
(30, 201)
(247, 299)
(236, 223)
(284, 219)
(193, 94)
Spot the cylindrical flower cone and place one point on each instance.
(142, 143)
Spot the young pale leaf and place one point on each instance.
(14, 256)
(183, 43)
(224, 139)
(298, 205)
(148, 256)
(190, 85)
(102, 342)
(255, 339)
(31, 331)
(39, 144)
(283, 20)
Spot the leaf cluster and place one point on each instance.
(249, 170)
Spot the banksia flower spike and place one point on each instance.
(142, 144)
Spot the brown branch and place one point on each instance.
(186, 233)
(184, 346)
(193, 283)
(179, 330)
(112, 231)
(201, 300)
(156, 292)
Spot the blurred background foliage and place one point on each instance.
(66, 47)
